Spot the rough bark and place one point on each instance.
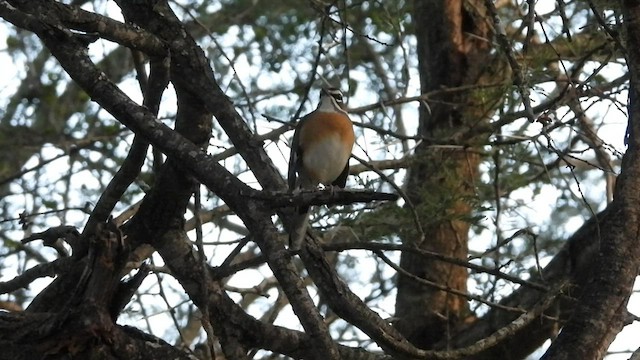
(601, 311)
(440, 183)
(81, 321)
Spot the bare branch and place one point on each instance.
(39, 271)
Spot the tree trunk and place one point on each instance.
(441, 183)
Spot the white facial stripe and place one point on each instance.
(329, 104)
(336, 94)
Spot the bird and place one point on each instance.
(320, 150)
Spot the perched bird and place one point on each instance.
(320, 151)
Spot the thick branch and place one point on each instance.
(600, 314)
(196, 76)
(123, 34)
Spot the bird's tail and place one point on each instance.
(299, 225)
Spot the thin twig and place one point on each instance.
(405, 197)
(503, 42)
(375, 246)
(441, 287)
(204, 267)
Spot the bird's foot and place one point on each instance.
(332, 189)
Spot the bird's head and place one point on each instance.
(331, 100)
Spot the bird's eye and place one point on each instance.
(336, 94)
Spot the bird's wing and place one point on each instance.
(341, 181)
(296, 154)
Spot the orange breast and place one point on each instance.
(326, 140)
(323, 124)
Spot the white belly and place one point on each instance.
(326, 160)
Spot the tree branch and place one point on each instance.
(329, 197)
(600, 313)
(39, 271)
